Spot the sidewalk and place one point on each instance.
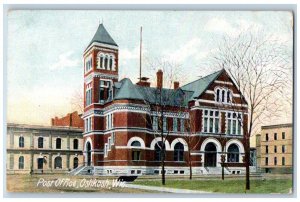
(165, 189)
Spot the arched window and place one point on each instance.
(218, 95)
(75, 144)
(58, 163)
(228, 96)
(111, 63)
(106, 62)
(135, 144)
(21, 141)
(75, 163)
(40, 142)
(178, 152)
(158, 151)
(233, 153)
(136, 153)
(58, 143)
(101, 61)
(21, 162)
(223, 95)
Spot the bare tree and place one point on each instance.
(192, 140)
(77, 101)
(163, 100)
(260, 66)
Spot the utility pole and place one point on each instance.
(141, 54)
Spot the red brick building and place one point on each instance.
(70, 120)
(123, 122)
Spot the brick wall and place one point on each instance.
(71, 120)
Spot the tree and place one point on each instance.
(77, 101)
(192, 140)
(260, 66)
(163, 100)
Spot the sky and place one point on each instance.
(45, 49)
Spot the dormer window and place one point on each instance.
(223, 95)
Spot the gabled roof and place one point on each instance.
(125, 89)
(102, 36)
(200, 85)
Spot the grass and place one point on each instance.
(226, 186)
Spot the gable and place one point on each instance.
(222, 81)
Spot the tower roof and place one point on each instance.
(102, 36)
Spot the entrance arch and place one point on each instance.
(210, 159)
(88, 153)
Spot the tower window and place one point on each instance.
(101, 61)
(106, 62)
(111, 63)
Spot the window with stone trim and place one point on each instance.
(88, 94)
(182, 125)
(211, 121)
(178, 152)
(135, 155)
(155, 123)
(75, 144)
(234, 123)
(223, 95)
(58, 143)
(21, 162)
(21, 141)
(40, 142)
(175, 124)
(58, 162)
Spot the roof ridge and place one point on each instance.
(203, 77)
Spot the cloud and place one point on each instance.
(233, 28)
(65, 60)
(218, 25)
(184, 52)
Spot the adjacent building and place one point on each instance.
(43, 149)
(123, 121)
(275, 148)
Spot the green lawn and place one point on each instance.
(226, 186)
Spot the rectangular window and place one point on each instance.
(239, 132)
(155, 123)
(205, 125)
(267, 137)
(275, 149)
(234, 123)
(211, 121)
(267, 149)
(211, 124)
(283, 135)
(165, 124)
(182, 125)
(217, 125)
(275, 136)
(283, 148)
(283, 161)
(267, 161)
(175, 125)
(11, 161)
(275, 161)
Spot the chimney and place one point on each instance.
(176, 85)
(144, 82)
(159, 78)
